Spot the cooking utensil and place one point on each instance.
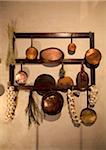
(44, 83)
(31, 52)
(71, 47)
(82, 79)
(64, 82)
(51, 56)
(88, 116)
(52, 103)
(21, 77)
(92, 57)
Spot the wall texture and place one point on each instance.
(53, 17)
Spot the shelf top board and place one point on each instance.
(54, 35)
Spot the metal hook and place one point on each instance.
(71, 38)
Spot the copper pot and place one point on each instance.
(52, 103)
(31, 52)
(92, 57)
(51, 56)
(88, 116)
(65, 83)
(21, 77)
(71, 48)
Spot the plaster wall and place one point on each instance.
(53, 16)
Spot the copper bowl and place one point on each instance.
(51, 56)
(52, 103)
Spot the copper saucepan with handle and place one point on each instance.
(21, 77)
(82, 79)
(71, 47)
(88, 116)
(31, 52)
(64, 82)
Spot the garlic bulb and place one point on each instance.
(71, 107)
(92, 96)
(11, 103)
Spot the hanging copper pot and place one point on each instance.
(31, 52)
(82, 79)
(51, 56)
(92, 57)
(21, 77)
(44, 83)
(88, 116)
(64, 82)
(52, 103)
(71, 47)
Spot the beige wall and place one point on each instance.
(53, 17)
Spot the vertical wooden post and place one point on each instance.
(11, 74)
(92, 69)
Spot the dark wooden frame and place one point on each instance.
(88, 35)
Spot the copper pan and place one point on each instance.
(52, 103)
(92, 57)
(88, 116)
(21, 77)
(44, 83)
(51, 56)
(31, 52)
(82, 79)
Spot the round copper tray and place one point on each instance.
(51, 56)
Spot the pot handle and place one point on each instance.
(71, 39)
(31, 42)
(21, 66)
(62, 71)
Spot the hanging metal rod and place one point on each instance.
(54, 35)
(38, 61)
